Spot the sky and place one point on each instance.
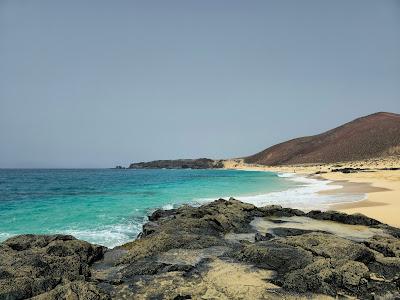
(87, 84)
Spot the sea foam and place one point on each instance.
(306, 195)
(109, 236)
(109, 208)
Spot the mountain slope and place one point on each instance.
(371, 136)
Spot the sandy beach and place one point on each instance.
(382, 187)
(383, 195)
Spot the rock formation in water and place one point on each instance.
(200, 163)
(216, 251)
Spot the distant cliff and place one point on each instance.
(201, 163)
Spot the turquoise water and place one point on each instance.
(107, 206)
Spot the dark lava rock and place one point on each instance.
(201, 163)
(329, 276)
(35, 264)
(387, 245)
(320, 172)
(354, 219)
(330, 246)
(275, 256)
(161, 213)
(75, 290)
(349, 170)
(192, 228)
(179, 297)
(182, 253)
(260, 237)
(279, 211)
(386, 268)
(283, 232)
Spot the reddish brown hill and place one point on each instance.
(371, 136)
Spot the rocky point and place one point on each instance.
(221, 250)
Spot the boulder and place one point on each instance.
(34, 264)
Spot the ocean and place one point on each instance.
(109, 206)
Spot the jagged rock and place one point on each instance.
(275, 256)
(388, 268)
(75, 290)
(187, 252)
(330, 246)
(354, 219)
(35, 264)
(282, 231)
(279, 211)
(148, 228)
(262, 237)
(161, 213)
(163, 242)
(349, 170)
(387, 245)
(329, 276)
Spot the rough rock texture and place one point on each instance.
(185, 253)
(31, 265)
(354, 219)
(75, 290)
(200, 163)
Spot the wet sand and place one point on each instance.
(382, 187)
(351, 232)
(383, 195)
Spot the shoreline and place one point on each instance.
(226, 249)
(381, 187)
(383, 194)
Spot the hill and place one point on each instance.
(372, 136)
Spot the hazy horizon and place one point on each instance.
(99, 84)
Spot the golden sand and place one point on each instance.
(382, 187)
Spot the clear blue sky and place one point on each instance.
(100, 83)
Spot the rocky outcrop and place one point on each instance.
(32, 265)
(201, 163)
(212, 252)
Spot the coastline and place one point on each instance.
(268, 252)
(382, 203)
(297, 196)
(226, 249)
(381, 187)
